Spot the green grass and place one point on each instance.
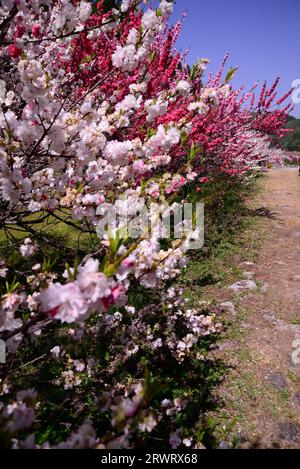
(295, 321)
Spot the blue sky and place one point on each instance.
(262, 37)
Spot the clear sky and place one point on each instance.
(262, 37)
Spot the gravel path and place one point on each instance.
(262, 392)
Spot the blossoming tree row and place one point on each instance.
(99, 109)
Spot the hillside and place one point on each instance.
(292, 141)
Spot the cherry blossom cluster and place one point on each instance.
(98, 105)
(172, 335)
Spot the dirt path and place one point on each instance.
(262, 392)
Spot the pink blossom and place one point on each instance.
(64, 302)
(92, 283)
(36, 30)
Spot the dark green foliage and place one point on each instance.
(292, 141)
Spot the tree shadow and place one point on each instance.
(262, 212)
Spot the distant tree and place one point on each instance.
(291, 141)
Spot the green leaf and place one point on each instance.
(151, 387)
(150, 132)
(183, 137)
(194, 151)
(151, 55)
(79, 186)
(193, 71)
(14, 285)
(230, 74)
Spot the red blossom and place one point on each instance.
(14, 51)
